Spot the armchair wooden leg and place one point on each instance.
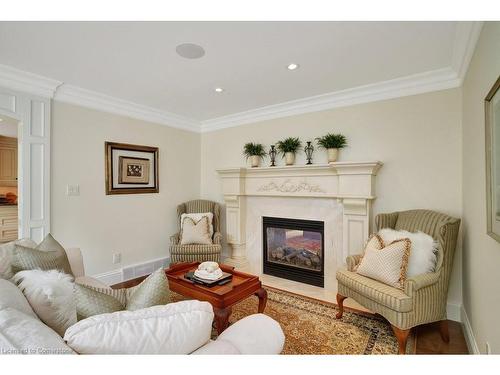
(340, 303)
(402, 337)
(443, 329)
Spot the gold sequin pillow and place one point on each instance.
(387, 264)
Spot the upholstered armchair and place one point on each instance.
(423, 298)
(196, 252)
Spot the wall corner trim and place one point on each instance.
(469, 333)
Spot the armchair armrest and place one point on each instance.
(217, 238)
(420, 281)
(175, 239)
(353, 261)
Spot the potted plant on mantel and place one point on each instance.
(254, 151)
(288, 148)
(332, 143)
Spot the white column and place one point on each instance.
(235, 229)
(355, 226)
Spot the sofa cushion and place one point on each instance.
(176, 328)
(24, 334)
(48, 255)
(384, 294)
(93, 301)
(50, 294)
(11, 296)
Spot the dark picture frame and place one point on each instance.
(112, 171)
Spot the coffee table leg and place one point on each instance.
(221, 318)
(262, 294)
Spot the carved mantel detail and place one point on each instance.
(351, 183)
(288, 186)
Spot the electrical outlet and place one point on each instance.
(488, 349)
(117, 258)
(72, 190)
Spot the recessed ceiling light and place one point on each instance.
(219, 89)
(292, 66)
(190, 50)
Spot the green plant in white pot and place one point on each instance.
(332, 143)
(288, 148)
(255, 152)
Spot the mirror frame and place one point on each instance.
(489, 159)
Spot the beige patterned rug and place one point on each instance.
(310, 326)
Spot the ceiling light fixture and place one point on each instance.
(219, 89)
(190, 50)
(292, 66)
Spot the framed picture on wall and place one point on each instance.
(131, 169)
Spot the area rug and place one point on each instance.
(310, 326)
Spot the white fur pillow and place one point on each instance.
(50, 294)
(423, 252)
(6, 251)
(176, 328)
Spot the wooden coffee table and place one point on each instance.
(222, 297)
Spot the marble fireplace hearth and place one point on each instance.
(339, 194)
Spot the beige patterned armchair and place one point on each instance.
(198, 253)
(423, 299)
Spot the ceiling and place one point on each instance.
(137, 61)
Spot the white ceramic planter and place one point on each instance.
(254, 161)
(333, 154)
(289, 158)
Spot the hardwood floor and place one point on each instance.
(428, 337)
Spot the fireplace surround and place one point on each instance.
(340, 194)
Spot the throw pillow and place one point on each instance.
(177, 328)
(50, 294)
(197, 216)
(387, 265)
(423, 252)
(195, 232)
(94, 301)
(6, 253)
(375, 242)
(48, 255)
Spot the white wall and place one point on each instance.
(139, 225)
(418, 138)
(481, 252)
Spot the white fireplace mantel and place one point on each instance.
(351, 183)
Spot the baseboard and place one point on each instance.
(469, 334)
(131, 271)
(454, 312)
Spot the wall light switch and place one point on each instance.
(117, 258)
(73, 190)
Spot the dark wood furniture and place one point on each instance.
(221, 297)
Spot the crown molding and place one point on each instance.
(19, 80)
(466, 37)
(434, 80)
(91, 99)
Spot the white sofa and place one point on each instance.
(22, 332)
